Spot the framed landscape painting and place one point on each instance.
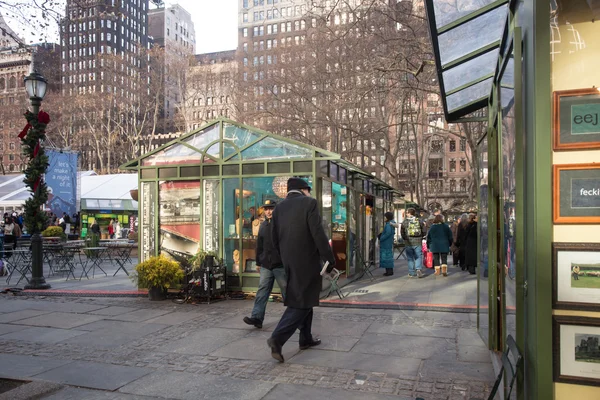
(576, 276)
(576, 350)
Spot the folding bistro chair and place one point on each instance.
(366, 264)
(334, 284)
(509, 366)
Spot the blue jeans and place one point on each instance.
(265, 286)
(415, 258)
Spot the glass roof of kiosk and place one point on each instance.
(466, 36)
(223, 141)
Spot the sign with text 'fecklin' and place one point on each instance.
(576, 194)
(576, 119)
(61, 178)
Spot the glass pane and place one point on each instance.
(338, 225)
(270, 148)
(179, 218)
(215, 150)
(447, 11)
(228, 149)
(211, 214)
(231, 224)
(326, 198)
(483, 235)
(351, 207)
(470, 71)
(203, 138)
(473, 35)
(509, 183)
(147, 223)
(478, 91)
(175, 154)
(239, 136)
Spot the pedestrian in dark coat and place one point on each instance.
(439, 239)
(471, 244)
(461, 240)
(386, 244)
(300, 239)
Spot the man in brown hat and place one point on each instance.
(268, 263)
(299, 236)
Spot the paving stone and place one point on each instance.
(43, 335)
(409, 346)
(253, 349)
(112, 311)
(19, 366)
(458, 370)
(71, 393)
(204, 342)
(139, 315)
(181, 385)
(473, 354)
(8, 328)
(18, 315)
(93, 375)
(412, 330)
(61, 320)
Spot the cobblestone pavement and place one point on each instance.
(148, 351)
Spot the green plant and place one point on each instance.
(54, 231)
(197, 260)
(157, 271)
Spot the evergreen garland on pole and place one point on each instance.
(32, 137)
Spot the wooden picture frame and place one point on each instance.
(572, 202)
(576, 276)
(587, 102)
(573, 359)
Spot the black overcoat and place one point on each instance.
(471, 248)
(300, 239)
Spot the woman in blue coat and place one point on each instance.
(386, 244)
(439, 240)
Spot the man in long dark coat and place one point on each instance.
(302, 243)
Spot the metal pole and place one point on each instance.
(37, 250)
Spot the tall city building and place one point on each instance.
(172, 30)
(210, 90)
(94, 35)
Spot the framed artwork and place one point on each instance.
(576, 276)
(576, 119)
(576, 193)
(576, 350)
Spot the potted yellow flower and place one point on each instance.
(157, 273)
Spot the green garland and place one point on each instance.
(32, 138)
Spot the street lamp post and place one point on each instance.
(36, 85)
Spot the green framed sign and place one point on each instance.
(576, 118)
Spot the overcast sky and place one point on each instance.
(215, 22)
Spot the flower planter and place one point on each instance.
(157, 293)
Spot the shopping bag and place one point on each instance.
(428, 260)
(424, 246)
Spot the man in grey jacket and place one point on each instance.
(412, 232)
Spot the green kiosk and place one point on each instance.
(205, 189)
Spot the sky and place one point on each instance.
(215, 23)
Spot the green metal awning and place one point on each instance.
(466, 37)
(108, 205)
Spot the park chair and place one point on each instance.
(334, 287)
(366, 264)
(511, 358)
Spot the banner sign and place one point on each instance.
(61, 178)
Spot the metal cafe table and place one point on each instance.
(63, 257)
(119, 252)
(95, 256)
(18, 260)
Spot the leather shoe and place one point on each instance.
(275, 350)
(253, 321)
(313, 342)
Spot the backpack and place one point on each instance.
(414, 228)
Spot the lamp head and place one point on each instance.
(36, 85)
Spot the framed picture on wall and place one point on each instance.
(576, 350)
(576, 119)
(576, 276)
(576, 193)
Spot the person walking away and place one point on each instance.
(461, 240)
(386, 244)
(300, 240)
(9, 236)
(269, 265)
(111, 229)
(453, 246)
(471, 245)
(439, 239)
(412, 231)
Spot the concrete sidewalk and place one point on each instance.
(131, 348)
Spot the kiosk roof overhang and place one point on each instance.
(466, 37)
